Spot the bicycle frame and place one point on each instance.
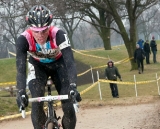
(51, 114)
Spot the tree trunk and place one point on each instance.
(130, 43)
(105, 35)
(104, 32)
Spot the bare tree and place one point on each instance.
(12, 19)
(86, 37)
(120, 10)
(147, 22)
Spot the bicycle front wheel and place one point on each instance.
(51, 125)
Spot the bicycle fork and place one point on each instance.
(52, 120)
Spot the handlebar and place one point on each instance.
(51, 98)
(48, 98)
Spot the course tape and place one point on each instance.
(12, 53)
(127, 83)
(90, 55)
(7, 83)
(119, 62)
(84, 72)
(91, 50)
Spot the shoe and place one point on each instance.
(116, 97)
(139, 72)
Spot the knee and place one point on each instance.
(36, 88)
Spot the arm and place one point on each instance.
(64, 44)
(117, 73)
(21, 56)
(61, 40)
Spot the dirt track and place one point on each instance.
(142, 116)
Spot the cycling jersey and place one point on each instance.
(57, 46)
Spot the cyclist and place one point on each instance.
(50, 55)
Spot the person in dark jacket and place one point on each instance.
(153, 46)
(147, 51)
(111, 73)
(138, 58)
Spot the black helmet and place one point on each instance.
(39, 16)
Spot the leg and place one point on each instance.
(139, 69)
(37, 89)
(116, 90)
(142, 65)
(147, 58)
(69, 117)
(154, 56)
(61, 81)
(37, 114)
(112, 89)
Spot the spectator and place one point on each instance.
(153, 46)
(147, 51)
(140, 42)
(111, 73)
(138, 58)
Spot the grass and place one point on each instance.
(146, 92)
(7, 70)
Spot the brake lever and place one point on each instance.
(22, 108)
(75, 103)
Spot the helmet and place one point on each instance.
(39, 16)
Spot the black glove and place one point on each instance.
(22, 99)
(76, 93)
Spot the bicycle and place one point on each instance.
(52, 119)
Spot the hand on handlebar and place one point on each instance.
(75, 103)
(74, 93)
(22, 99)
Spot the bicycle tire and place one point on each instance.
(52, 126)
(52, 123)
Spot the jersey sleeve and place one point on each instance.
(21, 60)
(63, 42)
(117, 72)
